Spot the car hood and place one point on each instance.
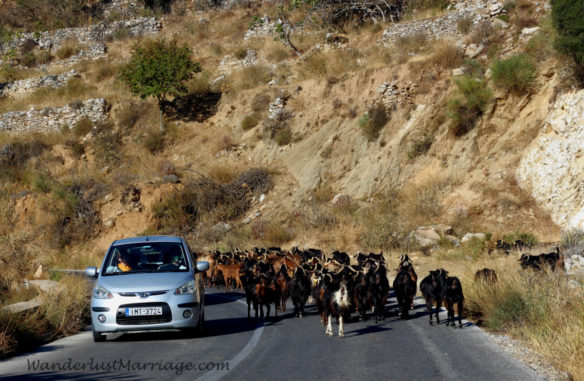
(144, 281)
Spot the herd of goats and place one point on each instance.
(337, 287)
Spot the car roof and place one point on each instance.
(148, 238)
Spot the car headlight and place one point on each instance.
(187, 288)
(101, 293)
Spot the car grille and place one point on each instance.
(122, 319)
(140, 293)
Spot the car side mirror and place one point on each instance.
(202, 266)
(92, 272)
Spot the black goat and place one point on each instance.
(432, 287)
(404, 286)
(452, 295)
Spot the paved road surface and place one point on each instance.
(285, 349)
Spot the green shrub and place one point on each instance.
(568, 20)
(527, 238)
(249, 122)
(516, 73)
(469, 105)
(283, 136)
(107, 145)
(42, 184)
(373, 121)
(159, 69)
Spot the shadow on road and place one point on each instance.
(222, 298)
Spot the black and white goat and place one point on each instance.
(337, 303)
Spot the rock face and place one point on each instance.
(26, 86)
(552, 168)
(53, 118)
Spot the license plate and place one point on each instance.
(143, 311)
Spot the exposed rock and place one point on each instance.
(473, 50)
(425, 236)
(455, 242)
(173, 179)
(221, 227)
(552, 167)
(39, 272)
(442, 229)
(333, 38)
(342, 199)
(458, 72)
(469, 236)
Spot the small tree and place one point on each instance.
(159, 69)
(568, 20)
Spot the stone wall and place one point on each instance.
(263, 27)
(230, 63)
(25, 86)
(552, 168)
(91, 35)
(53, 118)
(446, 25)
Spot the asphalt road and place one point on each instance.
(284, 349)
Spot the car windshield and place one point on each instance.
(151, 257)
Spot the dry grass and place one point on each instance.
(276, 51)
(250, 77)
(377, 56)
(409, 45)
(65, 310)
(447, 56)
(69, 48)
(543, 309)
(9, 73)
(222, 174)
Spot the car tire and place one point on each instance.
(201, 325)
(98, 337)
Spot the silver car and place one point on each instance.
(148, 283)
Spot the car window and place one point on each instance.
(146, 257)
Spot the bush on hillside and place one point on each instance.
(469, 105)
(568, 20)
(516, 73)
(373, 121)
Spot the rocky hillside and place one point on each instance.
(361, 137)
